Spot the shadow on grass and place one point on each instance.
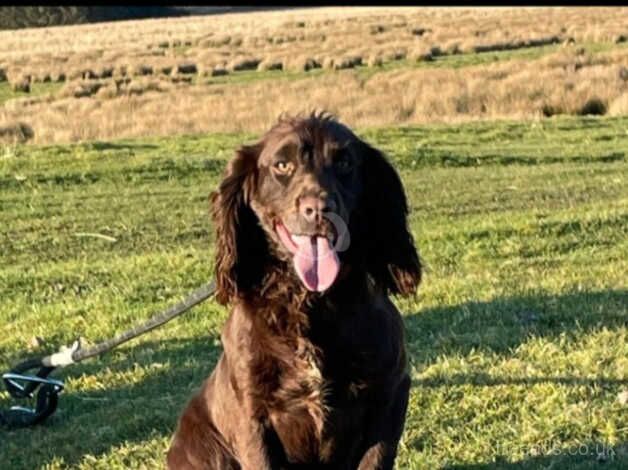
(164, 374)
(447, 159)
(500, 325)
(131, 146)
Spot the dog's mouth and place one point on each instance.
(314, 257)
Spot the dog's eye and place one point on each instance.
(343, 164)
(282, 167)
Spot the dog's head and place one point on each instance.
(313, 194)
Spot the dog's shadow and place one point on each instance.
(165, 373)
(502, 324)
(497, 328)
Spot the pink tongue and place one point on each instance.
(316, 262)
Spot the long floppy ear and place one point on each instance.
(391, 257)
(241, 246)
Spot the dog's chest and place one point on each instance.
(319, 405)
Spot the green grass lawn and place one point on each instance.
(517, 339)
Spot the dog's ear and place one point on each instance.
(389, 251)
(241, 246)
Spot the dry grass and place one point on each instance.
(17, 132)
(322, 31)
(138, 77)
(514, 89)
(619, 106)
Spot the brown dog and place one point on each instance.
(312, 237)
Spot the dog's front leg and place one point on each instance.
(249, 436)
(250, 447)
(240, 415)
(385, 429)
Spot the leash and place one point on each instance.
(21, 383)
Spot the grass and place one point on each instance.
(517, 340)
(514, 84)
(249, 76)
(451, 61)
(37, 89)
(469, 59)
(364, 72)
(504, 143)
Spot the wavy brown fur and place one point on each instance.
(306, 379)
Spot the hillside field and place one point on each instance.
(508, 126)
(372, 67)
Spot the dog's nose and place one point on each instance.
(312, 208)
